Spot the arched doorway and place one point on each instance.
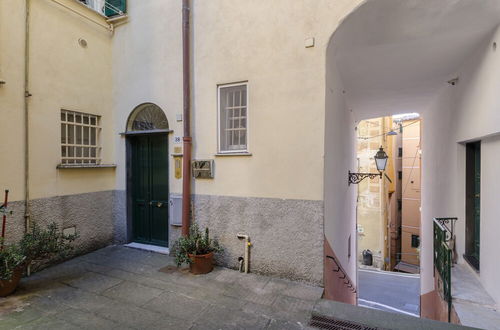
(147, 175)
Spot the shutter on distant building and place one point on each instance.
(114, 7)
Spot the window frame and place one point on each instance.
(219, 117)
(72, 161)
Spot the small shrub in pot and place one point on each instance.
(197, 250)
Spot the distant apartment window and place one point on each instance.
(80, 138)
(415, 241)
(400, 205)
(400, 152)
(108, 8)
(400, 175)
(233, 118)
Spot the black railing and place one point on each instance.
(342, 275)
(444, 230)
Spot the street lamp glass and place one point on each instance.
(381, 160)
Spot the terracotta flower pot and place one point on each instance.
(201, 264)
(9, 286)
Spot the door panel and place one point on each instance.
(159, 189)
(149, 190)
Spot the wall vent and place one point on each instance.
(330, 323)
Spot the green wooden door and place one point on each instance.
(473, 204)
(149, 179)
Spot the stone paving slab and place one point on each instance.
(92, 282)
(122, 288)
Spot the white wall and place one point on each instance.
(477, 116)
(438, 186)
(466, 112)
(147, 67)
(340, 157)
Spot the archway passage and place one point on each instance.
(436, 58)
(148, 181)
(388, 216)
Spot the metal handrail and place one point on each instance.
(349, 284)
(443, 255)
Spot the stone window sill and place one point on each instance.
(73, 166)
(233, 154)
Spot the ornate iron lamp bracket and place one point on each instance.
(355, 178)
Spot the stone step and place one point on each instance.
(371, 318)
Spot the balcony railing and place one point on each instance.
(108, 8)
(443, 233)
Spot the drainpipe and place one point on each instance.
(187, 140)
(26, 118)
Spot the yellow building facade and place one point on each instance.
(374, 195)
(278, 88)
(56, 57)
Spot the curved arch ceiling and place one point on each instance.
(394, 55)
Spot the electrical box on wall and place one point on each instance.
(203, 169)
(175, 210)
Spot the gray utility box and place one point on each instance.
(175, 210)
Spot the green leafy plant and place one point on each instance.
(36, 245)
(42, 244)
(10, 259)
(196, 243)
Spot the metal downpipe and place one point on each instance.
(27, 95)
(187, 140)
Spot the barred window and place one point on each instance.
(233, 118)
(80, 138)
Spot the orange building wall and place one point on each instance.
(411, 168)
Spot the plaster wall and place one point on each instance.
(262, 43)
(340, 155)
(438, 162)
(147, 67)
(469, 112)
(62, 75)
(11, 97)
(266, 48)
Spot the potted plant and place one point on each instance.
(37, 245)
(197, 250)
(11, 268)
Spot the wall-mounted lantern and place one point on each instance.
(381, 162)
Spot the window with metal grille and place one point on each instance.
(233, 118)
(80, 138)
(415, 241)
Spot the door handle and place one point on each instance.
(159, 204)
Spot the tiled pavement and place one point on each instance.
(122, 288)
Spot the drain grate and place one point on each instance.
(331, 323)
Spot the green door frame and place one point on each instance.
(473, 204)
(130, 186)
